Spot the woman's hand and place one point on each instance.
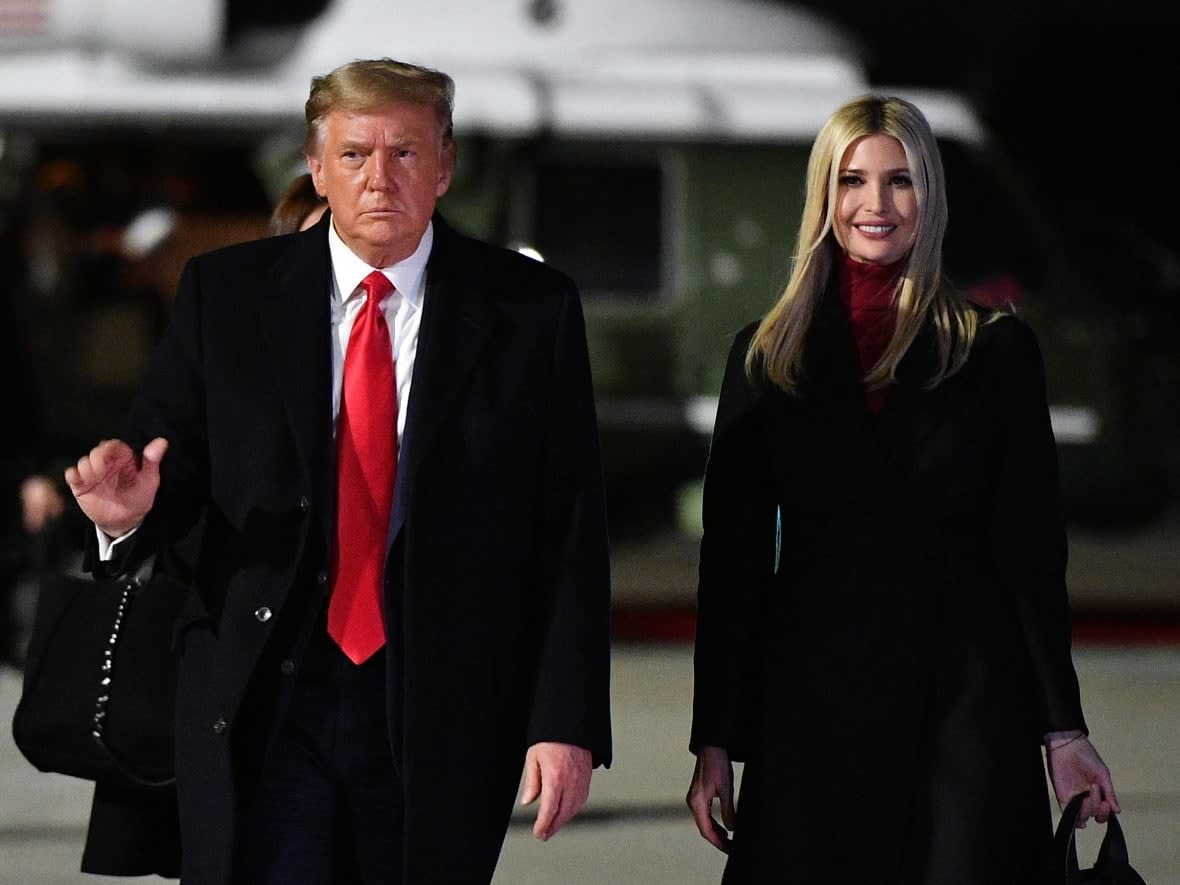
(713, 780)
(1075, 767)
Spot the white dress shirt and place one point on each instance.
(402, 309)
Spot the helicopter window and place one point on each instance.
(602, 224)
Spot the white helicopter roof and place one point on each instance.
(709, 69)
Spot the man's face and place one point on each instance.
(382, 171)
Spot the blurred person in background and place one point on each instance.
(883, 630)
(75, 325)
(298, 207)
(349, 715)
(29, 499)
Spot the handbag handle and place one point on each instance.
(131, 587)
(1113, 863)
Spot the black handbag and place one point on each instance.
(98, 691)
(1112, 866)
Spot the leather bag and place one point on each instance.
(98, 691)
(1113, 865)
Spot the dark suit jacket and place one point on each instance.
(887, 658)
(497, 579)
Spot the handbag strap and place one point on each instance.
(131, 588)
(1113, 860)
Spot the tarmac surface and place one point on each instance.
(636, 830)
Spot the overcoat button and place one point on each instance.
(263, 614)
(321, 578)
(304, 503)
(219, 726)
(287, 667)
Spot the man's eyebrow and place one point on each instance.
(853, 170)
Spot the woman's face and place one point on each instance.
(876, 207)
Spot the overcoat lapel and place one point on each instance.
(295, 316)
(457, 323)
(912, 411)
(886, 448)
(831, 390)
(830, 381)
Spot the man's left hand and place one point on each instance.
(560, 775)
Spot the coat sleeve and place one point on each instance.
(571, 702)
(170, 403)
(1028, 536)
(737, 561)
(132, 832)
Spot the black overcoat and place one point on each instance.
(497, 578)
(883, 633)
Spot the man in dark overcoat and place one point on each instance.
(297, 762)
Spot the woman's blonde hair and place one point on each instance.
(922, 292)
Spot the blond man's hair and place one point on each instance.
(366, 84)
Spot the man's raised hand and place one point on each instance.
(114, 488)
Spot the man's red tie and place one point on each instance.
(366, 468)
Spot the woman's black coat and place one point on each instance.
(883, 633)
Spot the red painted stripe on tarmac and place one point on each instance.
(653, 624)
(1149, 627)
(1135, 627)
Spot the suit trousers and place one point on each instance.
(327, 806)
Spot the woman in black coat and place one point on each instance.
(883, 627)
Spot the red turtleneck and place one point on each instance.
(866, 291)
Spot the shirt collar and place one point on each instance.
(408, 275)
